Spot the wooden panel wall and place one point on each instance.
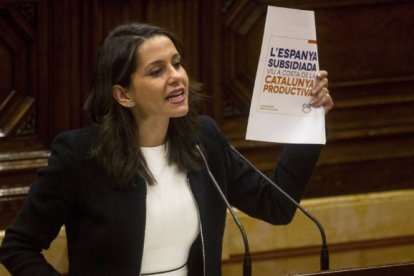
(24, 126)
(46, 52)
(47, 46)
(367, 48)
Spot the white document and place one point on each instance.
(280, 110)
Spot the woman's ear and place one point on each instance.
(122, 96)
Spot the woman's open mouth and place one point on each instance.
(176, 96)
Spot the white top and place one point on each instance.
(171, 219)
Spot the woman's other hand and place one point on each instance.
(320, 93)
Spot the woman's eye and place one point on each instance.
(156, 72)
(177, 64)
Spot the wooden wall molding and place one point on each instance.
(16, 115)
(315, 250)
(17, 52)
(24, 75)
(23, 160)
(242, 53)
(326, 4)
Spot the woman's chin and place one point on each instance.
(180, 113)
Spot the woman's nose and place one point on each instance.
(175, 75)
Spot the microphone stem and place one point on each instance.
(324, 262)
(247, 260)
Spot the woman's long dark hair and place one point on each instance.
(116, 148)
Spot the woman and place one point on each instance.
(131, 190)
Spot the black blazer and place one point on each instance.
(105, 227)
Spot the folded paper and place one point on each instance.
(280, 109)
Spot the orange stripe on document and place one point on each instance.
(311, 41)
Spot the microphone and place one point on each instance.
(324, 256)
(247, 263)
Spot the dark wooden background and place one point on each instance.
(47, 47)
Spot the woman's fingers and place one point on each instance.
(321, 96)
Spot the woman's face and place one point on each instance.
(159, 86)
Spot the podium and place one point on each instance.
(385, 270)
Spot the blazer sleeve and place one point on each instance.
(252, 194)
(45, 210)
